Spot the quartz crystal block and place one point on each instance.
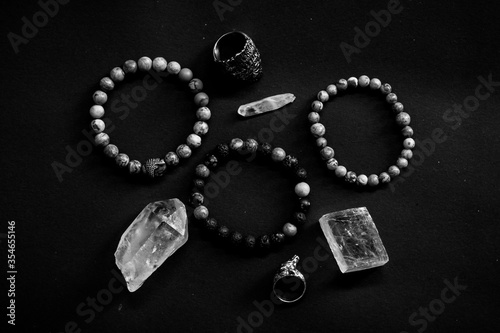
(353, 239)
(265, 105)
(155, 234)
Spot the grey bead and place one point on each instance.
(193, 141)
(202, 171)
(101, 139)
(373, 180)
(200, 128)
(403, 119)
(332, 164)
(407, 132)
(351, 177)
(340, 171)
(106, 83)
(407, 154)
(323, 96)
(317, 106)
(362, 180)
(97, 125)
(117, 74)
(100, 97)
(236, 144)
(384, 178)
(321, 142)
(200, 212)
(173, 67)
(111, 151)
(313, 117)
(122, 160)
(278, 154)
(352, 82)
(96, 111)
(195, 85)
(201, 99)
(331, 90)
(385, 88)
(130, 66)
(144, 64)
(203, 113)
(363, 81)
(375, 84)
(398, 107)
(134, 167)
(402, 162)
(393, 171)
(171, 158)
(327, 153)
(391, 98)
(159, 64)
(342, 85)
(183, 151)
(318, 130)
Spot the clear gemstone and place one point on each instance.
(354, 239)
(155, 234)
(265, 105)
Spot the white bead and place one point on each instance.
(97, 125)
(144, 64)
(117, 74)
(193, 141)
(173, 67)
(200, 128)
(375, 84)
(363, 81)
(289, 230)
(96, 111)
(323, 96)
(362, 180)
(318, 130)
(373, 180)
(100, 97)
(409, 143)
(278, 154)
(313, 117)
(101, 139)
(317, 106)
(203, 113)
(331, 90)
(352, 82)
(302, 189)
(159, 64)
(340, 171)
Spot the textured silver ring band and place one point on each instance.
(289, 283)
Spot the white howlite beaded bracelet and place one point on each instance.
(153, 167)
(318, 130)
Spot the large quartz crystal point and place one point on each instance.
(265, 105)
(155, 234)
(354, 239)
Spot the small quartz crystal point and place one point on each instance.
(155, 234)
(265, 105)
(354, 239)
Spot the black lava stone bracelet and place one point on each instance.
(237, 147)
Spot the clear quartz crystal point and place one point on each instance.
(155, 234)
(265, 105)
(354, 239)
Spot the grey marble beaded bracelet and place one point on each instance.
(327, 153)
(153, 167)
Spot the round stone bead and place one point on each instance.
(290, 161)
(375, 84)
(211, 161)
(201, 99)
(342, 85)
(277, 239)
(362, 180)
(197, 199)
(203, 113)
(363, 81)
(199, 183)
(384, 178)
(101, 139)
(249, 242)
(393, 171)
(96, 111)
(327, 153)
(352, 82)
(321, 142)
(171, 158)
(236, 144)
(313, 117)
(401, 162)
(202, 171)
(130, 66)
(302, 189)
(200, 212)
(264, 242)
(236, 238)
(398, 107)
(331, 90)
(278, 154)
(195, 85)
(403, 119)
(385, 88)
(100, 97)
(407, 132)
(299, 218)
(289, 230)
(200, 128)
(251, 145)
(318, 130)
(351, 177)
(304, 204)
(407, 153)
(223, 232)
(97, 125)
(111, 151)
(265, 149)
(373, 180)
(159, 64)
(391, 98)
(211, 224)
(323, 96)
(185, 75)
(144, 64)
(222, 150)
(183, 151)
(107, 84)
(317, 106)
(340, 171)
(332, 164)
(173, 67)
(409, 143)
(193, 141)
(301, 173)
(117, 74)
(134, 167)
(122, 160)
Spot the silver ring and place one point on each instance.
(289, 284)
(236, 52)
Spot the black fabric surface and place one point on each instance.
(438, 221)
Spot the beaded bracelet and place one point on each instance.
(265, 151)
(327, 153)
(153, 167)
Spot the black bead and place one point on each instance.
(290, 161)
(299, 218)
(211, 161)
(236, 238)
(199, 183)
(250, 242)
(301, 173)
(222, 150)
(265, 149)
(264, 242)
(277, 239)
(223, 232)
(304, 205)
(196, 199)
(211, 224)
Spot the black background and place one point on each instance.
(440, 223)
